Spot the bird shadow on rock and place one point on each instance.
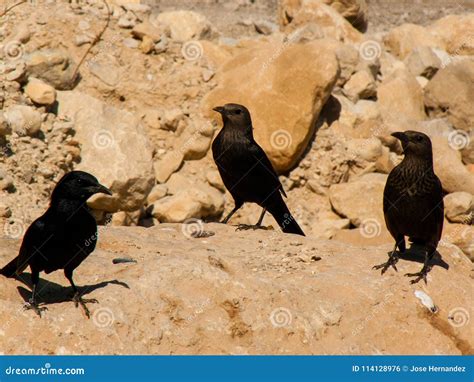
(329, 113)
(417, 254)
(49, 292)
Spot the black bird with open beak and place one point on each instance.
(62, 237)
(413, 202)
(246, 170)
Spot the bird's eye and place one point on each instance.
(419, 138)
(238, 111)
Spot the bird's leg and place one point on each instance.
(421, 275)
(241, 227)
(226, 219)
(78, 300)
(392, 260)
(32, 304)
(260, 219)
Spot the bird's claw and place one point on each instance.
(245, 227)
(32, 305)
(78, 300)
(391, 262)
(419, 276)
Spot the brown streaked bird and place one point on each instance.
(246, 170)
(62, 238)
(413, 202)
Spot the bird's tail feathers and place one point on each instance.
(12, 268)
(285, 219)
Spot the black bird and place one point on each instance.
(413, 202)
(62, 237)
(246, 170)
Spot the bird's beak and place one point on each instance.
(402, 137)
(100, 189)
(219, 109)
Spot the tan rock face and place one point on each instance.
(297, 78)
(55, 67)
(400, 96)
(360, 200)
(423, 61)
(457, 33)
(244, 293)
(197, 201)
(462, 236)
(147, 29)
(355, 11)
(459, 207)
(401, 40)
(448, 166)
(40, 92)
(170, 162)
(114, 148)
(24, 120)
(455, 79)
(184, 25)
(360, 86)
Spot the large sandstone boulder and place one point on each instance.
(114, 148)
(360, 200)
(450, 93)
(400, 96)
(297, 79)
(448, 166)
(401, 40)
(252, 292)
(456, 32)
(295, 14)
(354, 11)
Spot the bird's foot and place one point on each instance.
(245, 227)
(78, 300)
(419, 275)
(392, 260)
(33, 305)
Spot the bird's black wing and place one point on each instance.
(36, 237)
(264, 168)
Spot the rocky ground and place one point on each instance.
(125, 91)
(241, 293)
